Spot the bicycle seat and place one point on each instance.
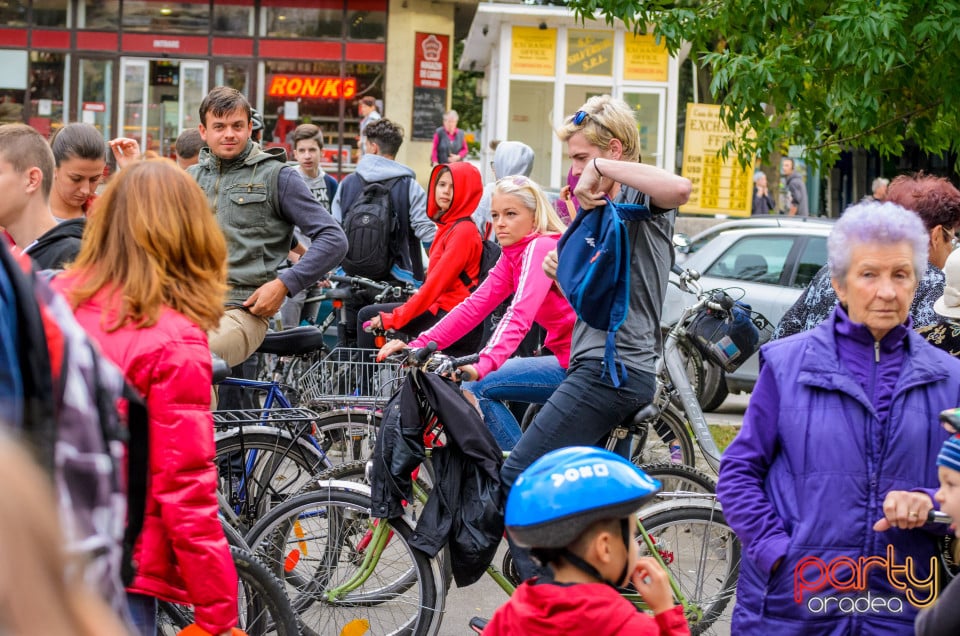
(293, 342)
(478, 624)
(645, 414)
(221, 370)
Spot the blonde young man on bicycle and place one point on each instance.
(604, 147)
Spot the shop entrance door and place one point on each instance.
(159, 98)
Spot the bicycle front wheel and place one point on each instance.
(320, 544)
(263, 606)
(260, 467)
(702, 554)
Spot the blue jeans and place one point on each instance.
(143, 610)
(530, 380)
(581, 412)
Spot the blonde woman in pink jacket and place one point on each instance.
(527, 228)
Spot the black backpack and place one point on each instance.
(488, 258)
(371, 227)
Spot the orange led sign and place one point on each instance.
(312, 86)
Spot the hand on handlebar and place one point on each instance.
(466, 373)
(392, 347)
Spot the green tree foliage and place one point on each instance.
(827, 74)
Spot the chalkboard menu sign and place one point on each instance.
(429, 104)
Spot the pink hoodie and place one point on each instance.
(536, 298)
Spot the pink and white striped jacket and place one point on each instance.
(536, 298)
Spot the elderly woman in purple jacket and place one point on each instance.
(821, 483)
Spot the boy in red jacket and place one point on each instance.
(575, 508)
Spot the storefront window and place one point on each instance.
(166, 17)
(366, 24)
(95, 91)
(529, 101)
(233, 75)
(235, 18)
(13, 85)
(315, 92)
(646, 110)
(99, 14)
(46, 91)
(50, 13)
(294, 22)
(13, 13)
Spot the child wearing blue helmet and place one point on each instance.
(575, 508)
(944, 616)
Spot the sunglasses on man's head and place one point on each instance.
(582, 116)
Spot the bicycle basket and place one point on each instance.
(349, 377)
(727, 338)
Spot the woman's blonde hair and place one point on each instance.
(41, 591)
(545, 217)
(605, 118)
(153, 240)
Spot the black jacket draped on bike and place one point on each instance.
(465, 506)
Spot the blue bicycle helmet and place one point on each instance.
(567, 490)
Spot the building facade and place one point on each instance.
(139, 68)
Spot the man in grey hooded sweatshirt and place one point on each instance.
(382, 139)
(509, 159)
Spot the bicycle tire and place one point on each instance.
(702, 554)
(258, 467)
(679, 478)
(263, 607)
(348, 435)
(325, 527)
(653, 446)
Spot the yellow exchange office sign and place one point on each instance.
(719, 186)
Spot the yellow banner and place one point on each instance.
(644, 59)
(719, 187)
(590, 52)
(534, 51)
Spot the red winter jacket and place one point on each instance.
(584, 609)
(456, 248)
(182, 555)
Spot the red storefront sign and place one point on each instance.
(430, 60)
(293, 86)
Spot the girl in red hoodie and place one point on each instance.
(455, 193)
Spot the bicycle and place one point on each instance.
(342, 566)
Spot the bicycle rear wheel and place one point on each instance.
(702, 554)
(665, 440)
(318, 541)
(678, 480)
(263, 606)
(348, 435)
(260, 467)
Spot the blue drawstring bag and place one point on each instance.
(594, 272)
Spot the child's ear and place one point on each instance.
(602, 547)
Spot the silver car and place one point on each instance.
(766, 262)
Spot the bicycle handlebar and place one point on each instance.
(360, 281)
(419, 356)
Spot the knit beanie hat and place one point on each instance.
(950, 453)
